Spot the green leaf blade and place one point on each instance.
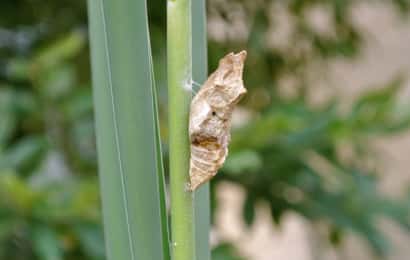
(202, 210)
(127, 133)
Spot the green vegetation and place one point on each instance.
(287, 154)
(129, 152)
(179, 66)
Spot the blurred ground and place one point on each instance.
(386, 52)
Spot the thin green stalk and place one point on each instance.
(179, 83)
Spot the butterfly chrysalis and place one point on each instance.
(210, 118)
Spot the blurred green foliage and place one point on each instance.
(289, 153)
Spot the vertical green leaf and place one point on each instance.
(199, 73)
(127, 130)
(160, 169)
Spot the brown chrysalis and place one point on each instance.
(210, 118)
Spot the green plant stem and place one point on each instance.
(179, 78)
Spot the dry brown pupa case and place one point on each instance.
(210, 118)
